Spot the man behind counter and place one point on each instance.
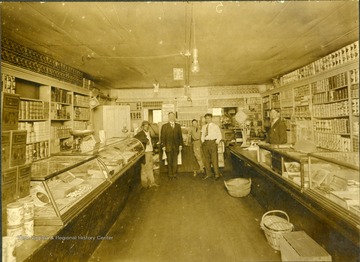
(277, 132)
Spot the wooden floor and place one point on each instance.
(187, 219)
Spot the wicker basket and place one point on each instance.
(238, 187)
(274, 226)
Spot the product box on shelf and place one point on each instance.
(5, 149)
(23, 181)
(298, 246)
(9, 185)
(10, 111)
(18, 148)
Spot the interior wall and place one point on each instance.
(174, 94)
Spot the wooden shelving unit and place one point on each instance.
(48, 110)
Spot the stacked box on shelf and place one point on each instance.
(81, 113)
(8, 84)
(5, 145)
(42, 131)
(59, 132)
(81, 100)
(344, 55)
(8, 185)
(60, 95)
(59, 111)
(333, 142)
(331, 110)
(18, 148)
(23, 181)
(37, 151)
(10, 111)
(33, 110)
(354, 76)
(334, 126)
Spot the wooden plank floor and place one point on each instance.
(187, 219)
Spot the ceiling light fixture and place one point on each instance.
(195, 67)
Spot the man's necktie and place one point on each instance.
(172, 124)
(207, 130)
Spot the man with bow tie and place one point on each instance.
(172, 142)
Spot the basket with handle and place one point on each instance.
(274, 226)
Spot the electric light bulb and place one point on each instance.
(195, 67)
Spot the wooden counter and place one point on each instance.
(272, 191)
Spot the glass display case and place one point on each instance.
(117, 156)
(62, 185)
(334, 181)
(291, 165)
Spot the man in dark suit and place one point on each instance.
(172, 143)
(277, 132)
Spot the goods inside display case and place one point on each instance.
(59, 184)
(334, 176)
(62, 184)
(118, 155)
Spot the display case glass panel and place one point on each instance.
(291, 165)
(334, 178)
(117, 156)
(60, 186)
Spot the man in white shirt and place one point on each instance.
(210, 138)
(147, 173)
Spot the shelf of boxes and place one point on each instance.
(325, 100)
(60, 111)
(81, 114)
(354, 93)
(33, 110)
(266, 110)
(8, 84)
(81, 100)
(332, 61)
(275, 100)
(48, 109)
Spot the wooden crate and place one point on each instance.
(298, 246)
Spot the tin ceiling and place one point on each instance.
(136, 44)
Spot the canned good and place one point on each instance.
(29, 227)
(15, 214)
(16, 231)
(28, 207)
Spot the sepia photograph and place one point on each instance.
(180, 131)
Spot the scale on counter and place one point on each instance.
(83, 140)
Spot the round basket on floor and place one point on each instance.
(238, 187)
(274, 226)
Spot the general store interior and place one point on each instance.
(79, 79)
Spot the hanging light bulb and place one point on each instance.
(195, 66)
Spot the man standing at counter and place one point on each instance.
(172, 143)
(210, 138)
(277, 132)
